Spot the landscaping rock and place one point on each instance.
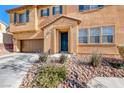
(79, 72)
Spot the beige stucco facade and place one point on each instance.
(48, 29)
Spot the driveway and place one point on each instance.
(13, 68)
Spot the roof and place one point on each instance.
(62, 16)
(20, 7)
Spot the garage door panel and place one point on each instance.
(32, 45)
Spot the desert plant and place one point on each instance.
(117, 65)
(63, 59)
(50, 76)
(96, 59)
(121, 51)
(43, 57)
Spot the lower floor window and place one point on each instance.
(97, 35)
(83, 36)
(95, 39)
(107, 39)
(107, 34)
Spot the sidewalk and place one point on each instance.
(106, 82)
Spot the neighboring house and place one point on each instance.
(5, 38)
(80, 29)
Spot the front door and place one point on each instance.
(64, 41)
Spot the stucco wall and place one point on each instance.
(107, 16)
(1, 37)
(2, 27)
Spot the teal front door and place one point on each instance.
(64, 41)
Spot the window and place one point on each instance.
(94, 6)
(83, 36)
(84, 7)
(57, 10)
(95, 35)
(107, 34)
(89, 7)
(22, 18)
(45, 12)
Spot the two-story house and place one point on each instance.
(80, 29)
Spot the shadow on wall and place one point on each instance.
(7, 42)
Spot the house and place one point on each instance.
(5, 38)
(78, 29)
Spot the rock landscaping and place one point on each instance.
(79, 71)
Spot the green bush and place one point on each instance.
(96, 59)
(117, 65)
(50, 77)
(43, 57)
(63, 59)
(121, 51)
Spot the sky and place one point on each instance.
(3, 14)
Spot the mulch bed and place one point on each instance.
(79, 72)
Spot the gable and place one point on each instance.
(62, 20)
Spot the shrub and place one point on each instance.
(96, 59)
(50, 77)
(43, 58)
(117, 65)
(63, 59)
(121, 51)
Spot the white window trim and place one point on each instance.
(101, 43)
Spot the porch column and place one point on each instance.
(54, 41)
(70, 38)
(74, 40)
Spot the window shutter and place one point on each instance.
(60, 9)
(27, 15)
(81, 7)
(53, 10)
(48, 13)
(41, 13)
(100, 6)
(15, 18)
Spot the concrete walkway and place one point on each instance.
(106, 82)
(13, 68)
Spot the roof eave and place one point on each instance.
(17, 8)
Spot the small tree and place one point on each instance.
(96, 59)
(63, 58)
(43, 57)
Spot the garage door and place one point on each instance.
(32, 45)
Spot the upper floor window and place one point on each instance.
(45, 12)
(83, 36)
(107, 34)
(57, 10)
(21, 18)
(89, 7)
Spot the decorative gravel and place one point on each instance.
(79, 72)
